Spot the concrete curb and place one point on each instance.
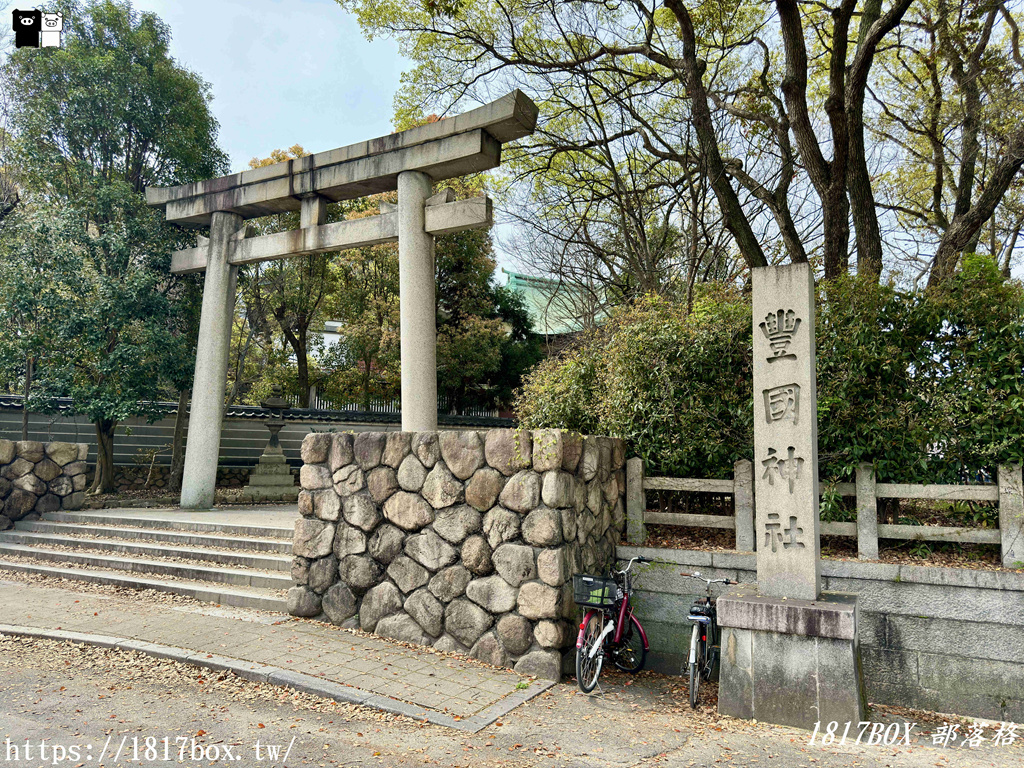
(288, 678)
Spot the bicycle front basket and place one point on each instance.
(593, 591)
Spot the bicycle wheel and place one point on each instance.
(697, 652)
(630, 655)
(588, 665)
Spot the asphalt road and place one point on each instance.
(101, 701)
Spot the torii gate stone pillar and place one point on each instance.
(409, 161)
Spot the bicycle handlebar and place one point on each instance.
(696, 575)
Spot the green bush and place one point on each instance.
(927, 386)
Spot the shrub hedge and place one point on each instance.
(929, 386)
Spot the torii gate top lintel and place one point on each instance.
(410, 162)
(454, 146)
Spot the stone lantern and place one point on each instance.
(271, 479)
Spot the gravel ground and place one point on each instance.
(73, 694)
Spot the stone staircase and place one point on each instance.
(241, 565)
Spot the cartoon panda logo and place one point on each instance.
(27, 26)
(53, 23)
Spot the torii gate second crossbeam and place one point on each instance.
(409, 161)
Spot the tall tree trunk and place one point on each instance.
(178, 443)
(24, 403)
(735, 217)
(103, 482)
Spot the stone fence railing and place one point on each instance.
(40, 477)
(1007, 491)
(465, 541)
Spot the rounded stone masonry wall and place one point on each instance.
(464, 541)
(40, 477)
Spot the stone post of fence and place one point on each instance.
(636, 502)
(867, 513)
(743, 503)
(1011, 515)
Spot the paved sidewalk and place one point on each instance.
(311, 656)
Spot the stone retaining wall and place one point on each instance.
(133, 478)
(40, 477)
(940, 639)
(465, 541)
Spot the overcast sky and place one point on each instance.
(284, 72)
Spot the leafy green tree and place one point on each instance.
(96, 122)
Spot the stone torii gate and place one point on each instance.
(409, 161)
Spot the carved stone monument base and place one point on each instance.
(790, 662)
(271, 480)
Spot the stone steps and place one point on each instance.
(238, 559)
(234, 563)
(153, 534)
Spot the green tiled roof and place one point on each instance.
(549, 302)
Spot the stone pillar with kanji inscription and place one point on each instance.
(789, 652)
(785, 433)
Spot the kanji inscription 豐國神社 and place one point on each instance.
(785, 432)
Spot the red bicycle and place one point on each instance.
(609, 626)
